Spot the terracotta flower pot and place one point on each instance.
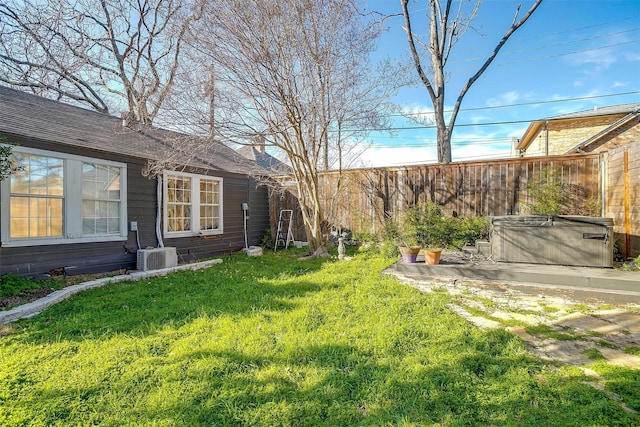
(432, 256)
(409, 254)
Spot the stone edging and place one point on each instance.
(36, 307)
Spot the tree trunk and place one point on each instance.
(444, 145)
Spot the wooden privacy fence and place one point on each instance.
(623, 196)
(362, 199)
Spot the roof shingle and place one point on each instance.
(32, 116)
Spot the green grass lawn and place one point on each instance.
(273, 341)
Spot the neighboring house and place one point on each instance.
(79, 199)
(257, 153)
(590, 131)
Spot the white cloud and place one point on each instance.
(398, 156)
(478, 148)
(507, 98)
(632, 56)
(601, 58)
(481, 151)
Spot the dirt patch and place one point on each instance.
(30, 295)
(24, 297)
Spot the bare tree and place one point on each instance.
(92, 51)
(297, 73)
(448, 23)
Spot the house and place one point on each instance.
(612, 132)
(590, 131)
(257, 153)
(81, 198)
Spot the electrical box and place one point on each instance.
(133, 226)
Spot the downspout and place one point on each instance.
(159, 212)
(546, 138)
(603, 186)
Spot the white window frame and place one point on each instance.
(72, 203)
(195, 205)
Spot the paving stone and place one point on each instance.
(628, 320)
(523, 334)
(620, 358)
(583, 323)
(525, 318)
(480, 322)
(499, 314)
(569, 352)
(472, 303)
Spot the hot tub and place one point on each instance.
(549, 239)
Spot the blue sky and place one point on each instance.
(569, 56)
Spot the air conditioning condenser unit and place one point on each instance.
(156, 259)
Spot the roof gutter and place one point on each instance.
(527, 138)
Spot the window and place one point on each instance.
(192, 204)
(55, 198)
(100, 199)
(37, 196)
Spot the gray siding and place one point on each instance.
(258, 221)
(141, 207)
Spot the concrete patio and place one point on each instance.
(476, 267)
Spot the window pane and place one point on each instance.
(114, 210)
(113, 225)
(88, 209)
(19, 207)
(101, 226)
(20, 182)
(88, 171)
(88, 226)
(55, 182)
(37, 227)
(89, 189)
(19, 227)
(56, 227)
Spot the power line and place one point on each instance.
(500, 64)
(574, 30)
(521, 104)
(512, 52)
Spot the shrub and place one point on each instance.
(424, 225)
(550, 196)
(435, 230)
(545, 195)
(267, 239)
(465, 231)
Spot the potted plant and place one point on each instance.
(432, 232)
(432, 255)
(408, 235)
